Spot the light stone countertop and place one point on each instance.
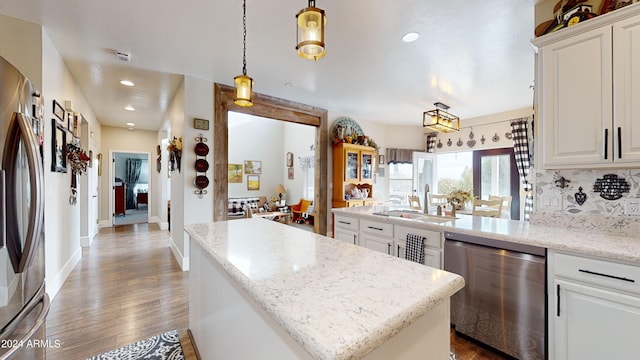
(580, 237)
(337, 300)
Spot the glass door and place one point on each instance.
(424, 173)
(352, 169)
(367, 166)
(496, 174)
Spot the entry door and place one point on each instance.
(424, 173)
(495, 173)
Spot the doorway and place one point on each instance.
(130, 188)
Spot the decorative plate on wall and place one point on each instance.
(202, 165)
(201, 149)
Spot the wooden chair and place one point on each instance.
(298, 209)
(506, 205)
(490, 208)
(438, 199)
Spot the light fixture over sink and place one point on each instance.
(310, 33)
(440, 120)
(244, 84)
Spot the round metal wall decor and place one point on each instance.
(201, 182)
(201, 149)
(202, 165)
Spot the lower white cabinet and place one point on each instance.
(345, 229)
(433, 255)
(376, 236)
(594, 308)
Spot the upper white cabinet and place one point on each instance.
(587, 78)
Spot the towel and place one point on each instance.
(414, 251)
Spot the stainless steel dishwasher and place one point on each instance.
(503, 303)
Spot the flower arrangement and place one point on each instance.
(78, 159)
(458, 198)
(175, 146)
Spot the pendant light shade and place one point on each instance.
(244, 90)
(244, 84)
(440, 120)
(310, 32)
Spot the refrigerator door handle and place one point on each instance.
(3, 210)
(20, 129)
(39, 322)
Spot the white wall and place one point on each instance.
(62, 221)
(298, 140)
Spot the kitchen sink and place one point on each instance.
(409, 214)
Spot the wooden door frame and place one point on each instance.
(273, 108)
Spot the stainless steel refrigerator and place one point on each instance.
(24, 303)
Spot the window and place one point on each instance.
(400, 182)
(454, 171)
(495, 173)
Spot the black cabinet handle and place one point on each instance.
(388, 248)
(354, 239)
(398, 253)
(375, 228)
(558, 300)
(344, 222)
(606, 275)
(619, 142)
(606, 143)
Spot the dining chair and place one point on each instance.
(490, 208)
(506, 205)
(438, 199)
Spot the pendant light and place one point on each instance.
(310, 32)
(440, 120)
(244, 84)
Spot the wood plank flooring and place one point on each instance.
(128, 287)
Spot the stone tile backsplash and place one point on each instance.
(552, 199)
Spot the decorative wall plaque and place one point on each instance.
(580, 196)
(611, 187)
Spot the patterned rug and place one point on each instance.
(165, 346)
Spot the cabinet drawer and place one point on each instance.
(345, 222)
(603, 273)
(434, 238)
(376, 228)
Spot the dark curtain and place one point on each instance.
(131, 178)
(523, 160)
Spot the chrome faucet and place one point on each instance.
(426, 199)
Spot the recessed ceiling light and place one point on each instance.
(127, 82)
(129, 108)
(288, 84)
(411, 36)
(131, 124)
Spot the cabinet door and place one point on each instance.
(348, 236)
(592, 323)
(352, 162)
(576, 100)
(367, 166)
(626, 90)
(381, 244)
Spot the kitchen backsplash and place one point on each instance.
(552, 199)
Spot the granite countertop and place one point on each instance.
(337, 300)
(580, 236)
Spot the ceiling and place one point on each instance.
(474, 56)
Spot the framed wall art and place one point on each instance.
(70, 122)
(58, 110)
(252, 167)
(253, 182)
(234, 173)
(290, 173)
(289, 159)
(58, 147)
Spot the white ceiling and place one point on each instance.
(474, 56)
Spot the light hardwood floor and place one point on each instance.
(127, 287)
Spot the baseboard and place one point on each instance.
(193, 344)
(161, 224)
(54, 285)
(182, 260)
(85, 241)
(105, 223)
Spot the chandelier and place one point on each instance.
(440, 120)
(310, 32)
(244, 84)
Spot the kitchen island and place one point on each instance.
(260, 289)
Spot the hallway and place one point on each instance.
(127, 287)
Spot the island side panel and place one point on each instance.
(227, 324)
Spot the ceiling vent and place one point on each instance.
(126, 57)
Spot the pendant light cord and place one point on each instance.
(244, 38)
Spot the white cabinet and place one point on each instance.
(434, 242)
(587, 81)
(345, 229)
(594, 308)
(376, 236)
